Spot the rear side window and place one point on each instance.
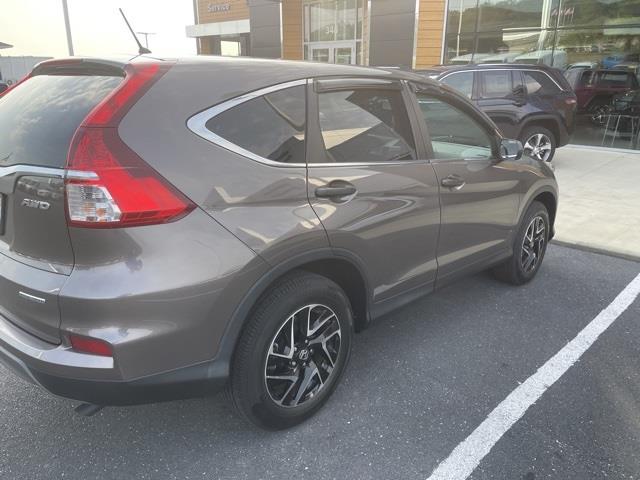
(462, 81)
(271, 126)
(367, 126)
(39, 116)
(495, 84)
(539, 83)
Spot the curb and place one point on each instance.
(600, 251)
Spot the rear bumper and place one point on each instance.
(94, 379)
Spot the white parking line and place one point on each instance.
(467, 456)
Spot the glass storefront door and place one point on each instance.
(321, 54)
(345, 55)
(333, 31)
(335, 52)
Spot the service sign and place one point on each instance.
(218, 7)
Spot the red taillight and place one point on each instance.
(91, 346)
(108, 184)
(139, 78)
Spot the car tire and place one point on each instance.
(530, 245)
(267, 375)
(539, 143)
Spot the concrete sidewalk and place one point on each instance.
(599, 199)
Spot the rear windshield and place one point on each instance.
(39, 117)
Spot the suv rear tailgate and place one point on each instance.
(38, 119)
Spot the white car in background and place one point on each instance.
(506, 57)
(557, 58)
(469, 58)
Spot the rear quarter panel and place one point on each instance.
(161, 294)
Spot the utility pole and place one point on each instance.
(146, 37)
(67, 25)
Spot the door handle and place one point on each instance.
(341, 189)
(453, 181)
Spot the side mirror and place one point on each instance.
(511, 149)
(3, 87)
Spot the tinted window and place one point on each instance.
(271, 126)
(39, 117)
(539, 83)
(614, 79)
(365, 125)
(463, 82)
(495, 84)
(454, 134)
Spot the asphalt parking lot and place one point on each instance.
(420, 382)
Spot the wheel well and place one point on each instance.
(549, 124)
(549, 201)
(349, 278)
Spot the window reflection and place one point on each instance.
(462, 16)
(610, 12)
(517, 46)
(585, 38)
(365, 125)
(499, 14)
(605, 47)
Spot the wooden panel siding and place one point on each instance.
(430, 27)
(292, 30)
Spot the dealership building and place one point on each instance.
(420, 33)
(365, 32)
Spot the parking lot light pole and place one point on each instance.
(67, 25)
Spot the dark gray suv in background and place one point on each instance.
(533, 103)
(173, 227)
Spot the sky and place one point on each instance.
(36, 27)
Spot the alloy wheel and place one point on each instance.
(302, 355)
(538, 146)
(533, 244)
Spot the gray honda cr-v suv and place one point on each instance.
(171, 228)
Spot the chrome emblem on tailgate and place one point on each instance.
(39, 204)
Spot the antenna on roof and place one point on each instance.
(141, 50)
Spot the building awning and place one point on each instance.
(233, 27)
(5, 45)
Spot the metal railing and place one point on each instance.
(625, 128)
